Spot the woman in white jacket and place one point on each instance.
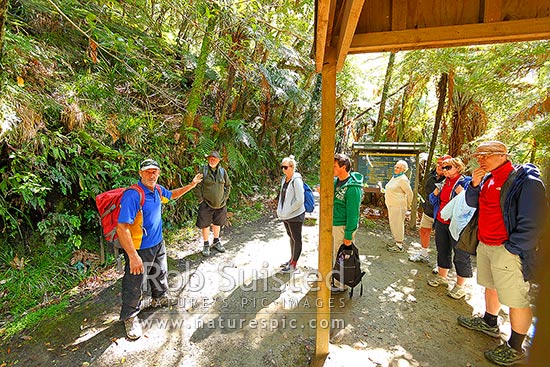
(398, 196)
(291, 210)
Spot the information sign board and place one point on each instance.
(377, 168)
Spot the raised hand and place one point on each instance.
(477, 176)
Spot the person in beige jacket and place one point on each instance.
(398, 196)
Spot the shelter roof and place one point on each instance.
(361, 26)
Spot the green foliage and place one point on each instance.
(32, 319)
(369, 224)
(34, 278)
(58, 226)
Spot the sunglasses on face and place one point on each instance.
(485, 155)
(284, 167)
(447, 168)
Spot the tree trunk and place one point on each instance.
(340, 148)
(309, 120)
(387, 81)
(402, 126)
(3, 15)
(237, 39)
(264, 107)
(195, 96)
(442, 93)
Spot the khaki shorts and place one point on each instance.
(501, 270)
(426, 221)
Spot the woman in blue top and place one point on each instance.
(453, 184)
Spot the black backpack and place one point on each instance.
(347, 268)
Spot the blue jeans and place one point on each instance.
(154, 277)
(446, 245)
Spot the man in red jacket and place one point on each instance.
(512, 211)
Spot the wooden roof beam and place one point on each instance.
(492, 11)
(352, 11)
(399, 12)
(452, 36)
(323, 35)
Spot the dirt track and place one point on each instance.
(238, 310)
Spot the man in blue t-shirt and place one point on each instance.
(139, 231)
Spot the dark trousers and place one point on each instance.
(294, 231)
(446, 245)
(154, 277)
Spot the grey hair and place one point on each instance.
(404, 164)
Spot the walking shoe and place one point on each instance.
(289, 269)
(337, 289)
(206, 250)
(162, 301)
(133, 328)
(457, 292)
(284, 265)
(395, 248)
(437, 280)
(419, 258)
(505, 355)
(479, 324)
(435, 270)
(218, 246)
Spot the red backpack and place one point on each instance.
(108, 206)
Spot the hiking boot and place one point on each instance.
(218, 246)
(395, 248)
(457, 292)
(206, 250)
(419, 258)
(289, 269)
(505, 355)
(479, 324)
(162, 301)
(437, 280)
(133, 328)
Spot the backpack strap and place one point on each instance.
(141, 193)
(206, 167)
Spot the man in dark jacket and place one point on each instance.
(427, 222)
(512, 213)
(212, 194)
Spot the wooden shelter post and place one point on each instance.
(328, 117)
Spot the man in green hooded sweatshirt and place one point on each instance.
(348, 190)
